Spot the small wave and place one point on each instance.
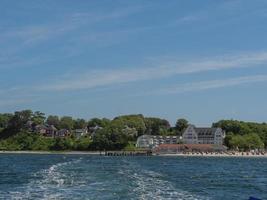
(151, 185)
(50, 182)
(55, 175)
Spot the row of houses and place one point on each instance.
(52, 131)
(198, 137)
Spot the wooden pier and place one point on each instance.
(127, 153)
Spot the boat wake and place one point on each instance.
(152, 185)
(96, 179)
(51, 183)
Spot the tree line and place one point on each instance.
(118, 133)
(112, 134)
(243, 135)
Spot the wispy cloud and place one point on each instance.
(14, 102)
(17, 39)
(18, 95)
(185, 19)
(34, 33)
(211, 84)
(92, 79)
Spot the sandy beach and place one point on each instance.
(244, 155)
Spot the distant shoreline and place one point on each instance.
(54, 152)
(103, 153)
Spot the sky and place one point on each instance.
(200, 60)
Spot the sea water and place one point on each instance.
(99, 177)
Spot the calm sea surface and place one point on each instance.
(95, 177)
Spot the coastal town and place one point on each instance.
(133, 99)
(193, 139)
(128, 135)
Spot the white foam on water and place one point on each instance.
(150, 185)
(59, 182)
(51, 182)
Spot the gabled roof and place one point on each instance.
(40, 127)
(52, 127)
(144, 137)
(205, 131)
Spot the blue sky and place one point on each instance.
(202, 60)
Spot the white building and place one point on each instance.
(151, 141)
(144, 141)
(80, 132)
(194, 135)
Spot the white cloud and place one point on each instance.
(212, 84)
(92, 79)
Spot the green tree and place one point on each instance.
(4, 120)
(253, 141)
(109, 138)
(53, 120)
(132, 133)
(66, 122)
(234, 126)
(131, 121)
(156, 126)
(237, 142)
(228, 138)
(20, 119)
(181, 125)
(243, 128)
(80, 124)
(42, 144)
(38, 118)
(245, 142)
(98, 122)
(83, 143)
(63, 144)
